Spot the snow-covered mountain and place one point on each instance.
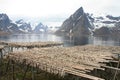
(76, 24)
(40, 28)
(19, 26)
(105, 25)
(105, 20)
(24, 26)
(7, 25)
(81, 23)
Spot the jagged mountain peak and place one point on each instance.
(78, 13)
(8, 26)
(24, 26)
(40, 28)
(76, 24)
(19, 25)
(40, 25)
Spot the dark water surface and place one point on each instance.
(67, 40)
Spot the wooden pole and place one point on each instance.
(33, 75)
(116, 70)
(11, 49)
(25, 72)
(7, 65)
(13, 76)
(1, 56)
(1, 63)
(36, 68)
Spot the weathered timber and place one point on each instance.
(113, 61)
(57, 59)
(112, 68)
(13, 75)
(25, 72)
(34, 44)
(89, 77)
(1, 52)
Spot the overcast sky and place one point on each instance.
(57, 10)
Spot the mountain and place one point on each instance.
(40, 28)
(19, 26)
(104, 20)
(6, 25)
(4, 22)
(76, 24)
(81, 23)
(105, 25)
(24, 26)
(102, 31)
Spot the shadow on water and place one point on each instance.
(75, 40)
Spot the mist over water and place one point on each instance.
(67, 40)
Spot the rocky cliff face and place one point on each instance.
(76, 24)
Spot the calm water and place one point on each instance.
(68, 41)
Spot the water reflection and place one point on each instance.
(106, 40)
(67, 40)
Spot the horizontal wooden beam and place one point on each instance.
(89, 77)
(113, 68)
